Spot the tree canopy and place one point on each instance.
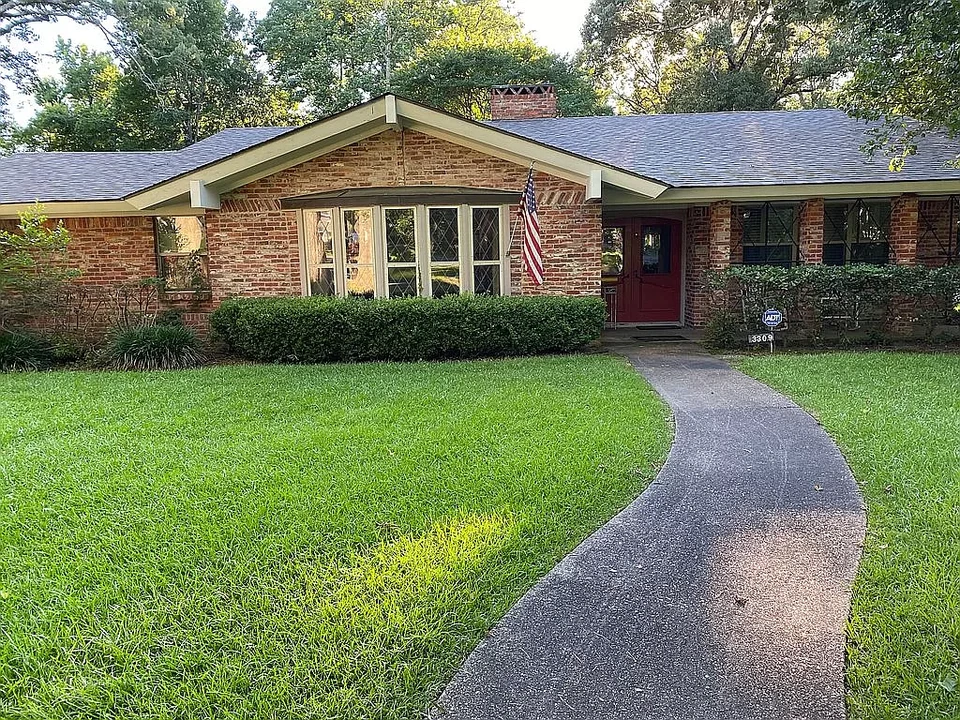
(333, 53)
(906, 69)
(704, 55)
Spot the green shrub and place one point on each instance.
(852, 302)
(25, 351)
(155, 347)
(350, 330)
(723, 331)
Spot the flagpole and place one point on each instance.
(516, 226)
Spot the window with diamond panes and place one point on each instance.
(399, 227)
(485, 231)
(444, 234)
(769, 234)
(358, 252)
(318, 236)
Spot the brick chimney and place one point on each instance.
(523, 102)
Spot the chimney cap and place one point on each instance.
(528, 89)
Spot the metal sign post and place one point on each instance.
(773, 319)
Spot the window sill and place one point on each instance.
(185, 295)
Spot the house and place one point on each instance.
(392, 199)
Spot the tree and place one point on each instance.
(335, 53)
(459, 80)
(484, 45)
(31, 258)
(188, 73)
(704, 55)
(79, 110)
(906, 70)
(17, 20)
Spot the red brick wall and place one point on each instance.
(720, 235)
(254, 246)
(811, 231)
(697, 264)
(112, 250)
(904, 225)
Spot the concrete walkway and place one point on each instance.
(722, 592)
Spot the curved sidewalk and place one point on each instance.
(721, 592)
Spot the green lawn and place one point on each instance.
(897, 419)
(310, 542)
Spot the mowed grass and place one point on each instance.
(308, 542)
(897, 419)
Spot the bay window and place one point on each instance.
(397, 251)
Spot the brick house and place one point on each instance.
(392, 198)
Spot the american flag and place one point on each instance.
(532, 252)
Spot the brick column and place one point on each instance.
(697, 250)
(811, 231)
(719, 255)
(904, 229)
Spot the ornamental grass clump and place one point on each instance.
(155, 347)
(25, 351)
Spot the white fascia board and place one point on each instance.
(491, 141)
(99, 208)
(768, 193)
(274, 155)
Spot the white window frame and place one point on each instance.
(384, 269)
(423, 263)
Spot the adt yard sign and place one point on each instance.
(772, 318)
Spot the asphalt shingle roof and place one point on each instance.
(738, 148)
(91, 176)
(693, 150)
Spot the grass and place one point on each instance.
(310, 542)
(897, 419)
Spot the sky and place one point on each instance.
(554, 23)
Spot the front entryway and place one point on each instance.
(641, 269)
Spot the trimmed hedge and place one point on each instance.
(312, 330)
(841, 301)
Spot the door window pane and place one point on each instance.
(486, 233)
(612, 263)
(444, 235)
(358, 244)
(656, 250)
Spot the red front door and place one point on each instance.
(642, 260)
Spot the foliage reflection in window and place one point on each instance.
(443, 224)
(857, 232)
(769, 234)
(358, 244)
(485, 228)
(401, 240)
(319, 236)
(182, 257)
(612, 252)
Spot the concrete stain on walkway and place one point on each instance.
(721, 592)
